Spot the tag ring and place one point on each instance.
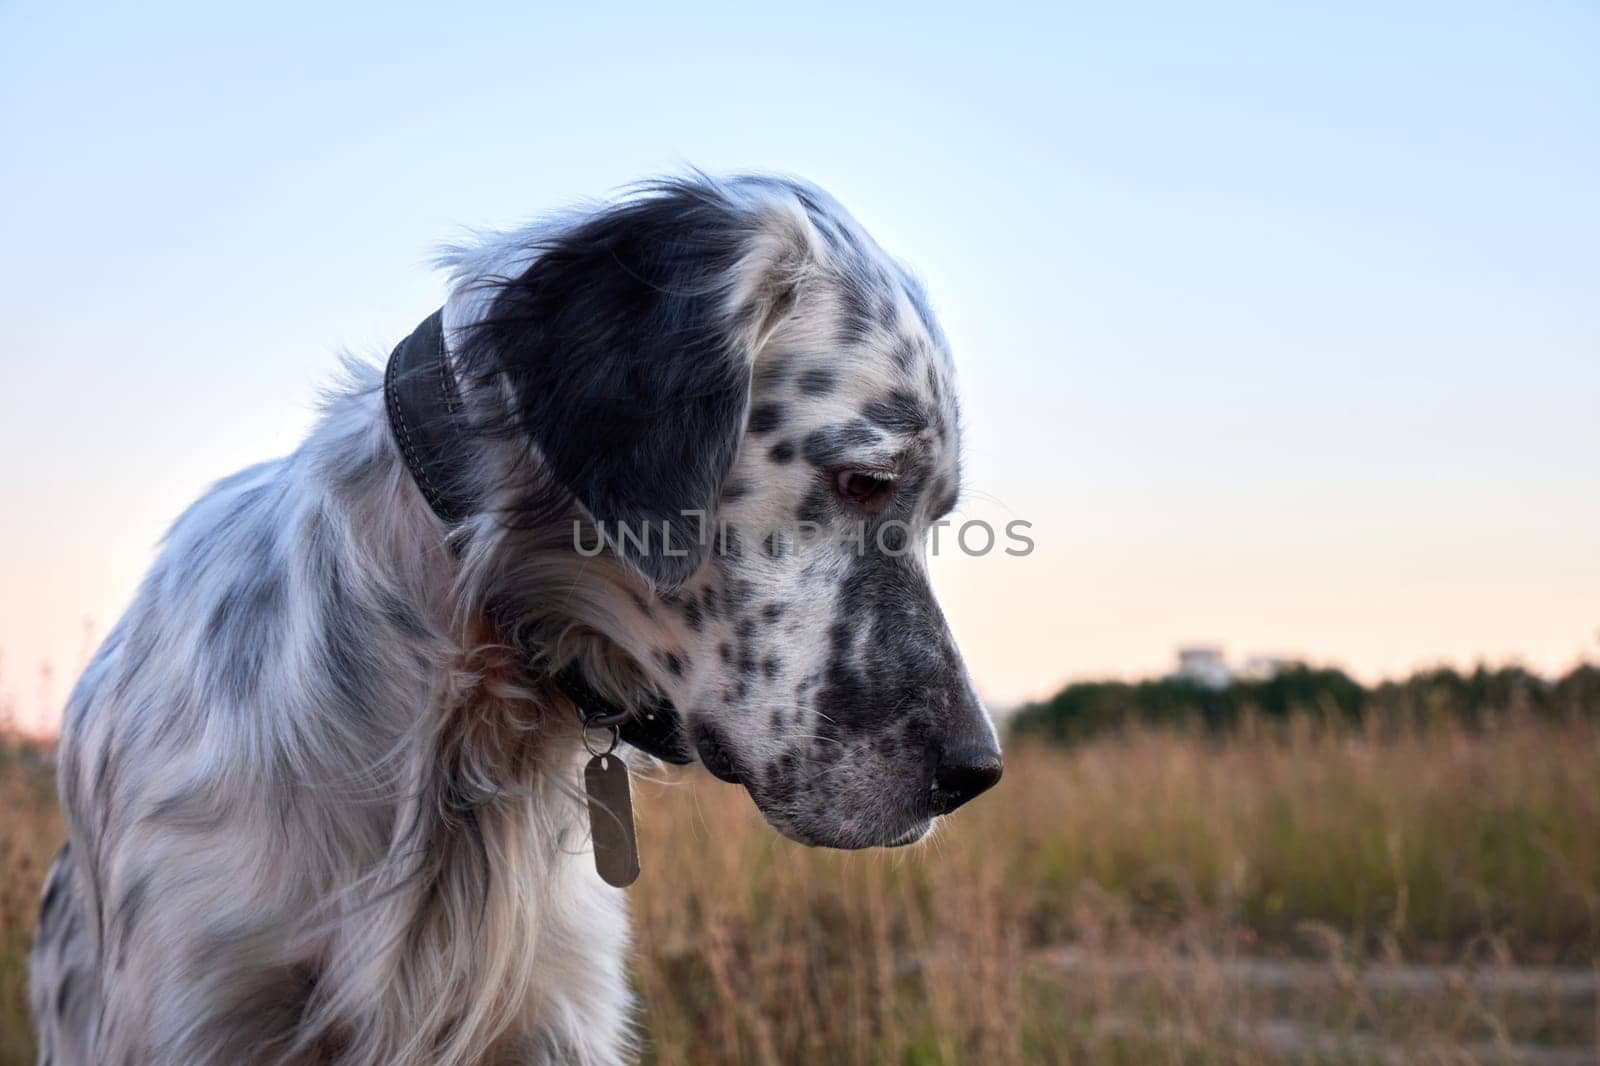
(616, 736)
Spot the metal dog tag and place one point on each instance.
(616, 847)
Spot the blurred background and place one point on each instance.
(1276, 322)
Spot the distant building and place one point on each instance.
(1261, 668)
(1205, 666)
(1208, 667)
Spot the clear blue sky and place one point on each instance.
(1280, 326)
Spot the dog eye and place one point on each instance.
(867, 491)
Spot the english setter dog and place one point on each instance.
(322, 780)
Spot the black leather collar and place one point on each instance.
(424, 402)
(426, 417)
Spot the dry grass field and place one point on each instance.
(1291, 894)
(30, 832)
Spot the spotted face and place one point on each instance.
(810, 443)
(823, 677)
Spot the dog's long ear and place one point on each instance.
(627, 349)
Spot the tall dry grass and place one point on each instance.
(1153, 897)
(30, 832)
(1168, 863)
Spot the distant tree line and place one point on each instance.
(1088, 708)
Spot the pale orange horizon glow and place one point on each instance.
(1084, 605)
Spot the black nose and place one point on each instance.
(963, 775)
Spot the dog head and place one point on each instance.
(752, 409)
